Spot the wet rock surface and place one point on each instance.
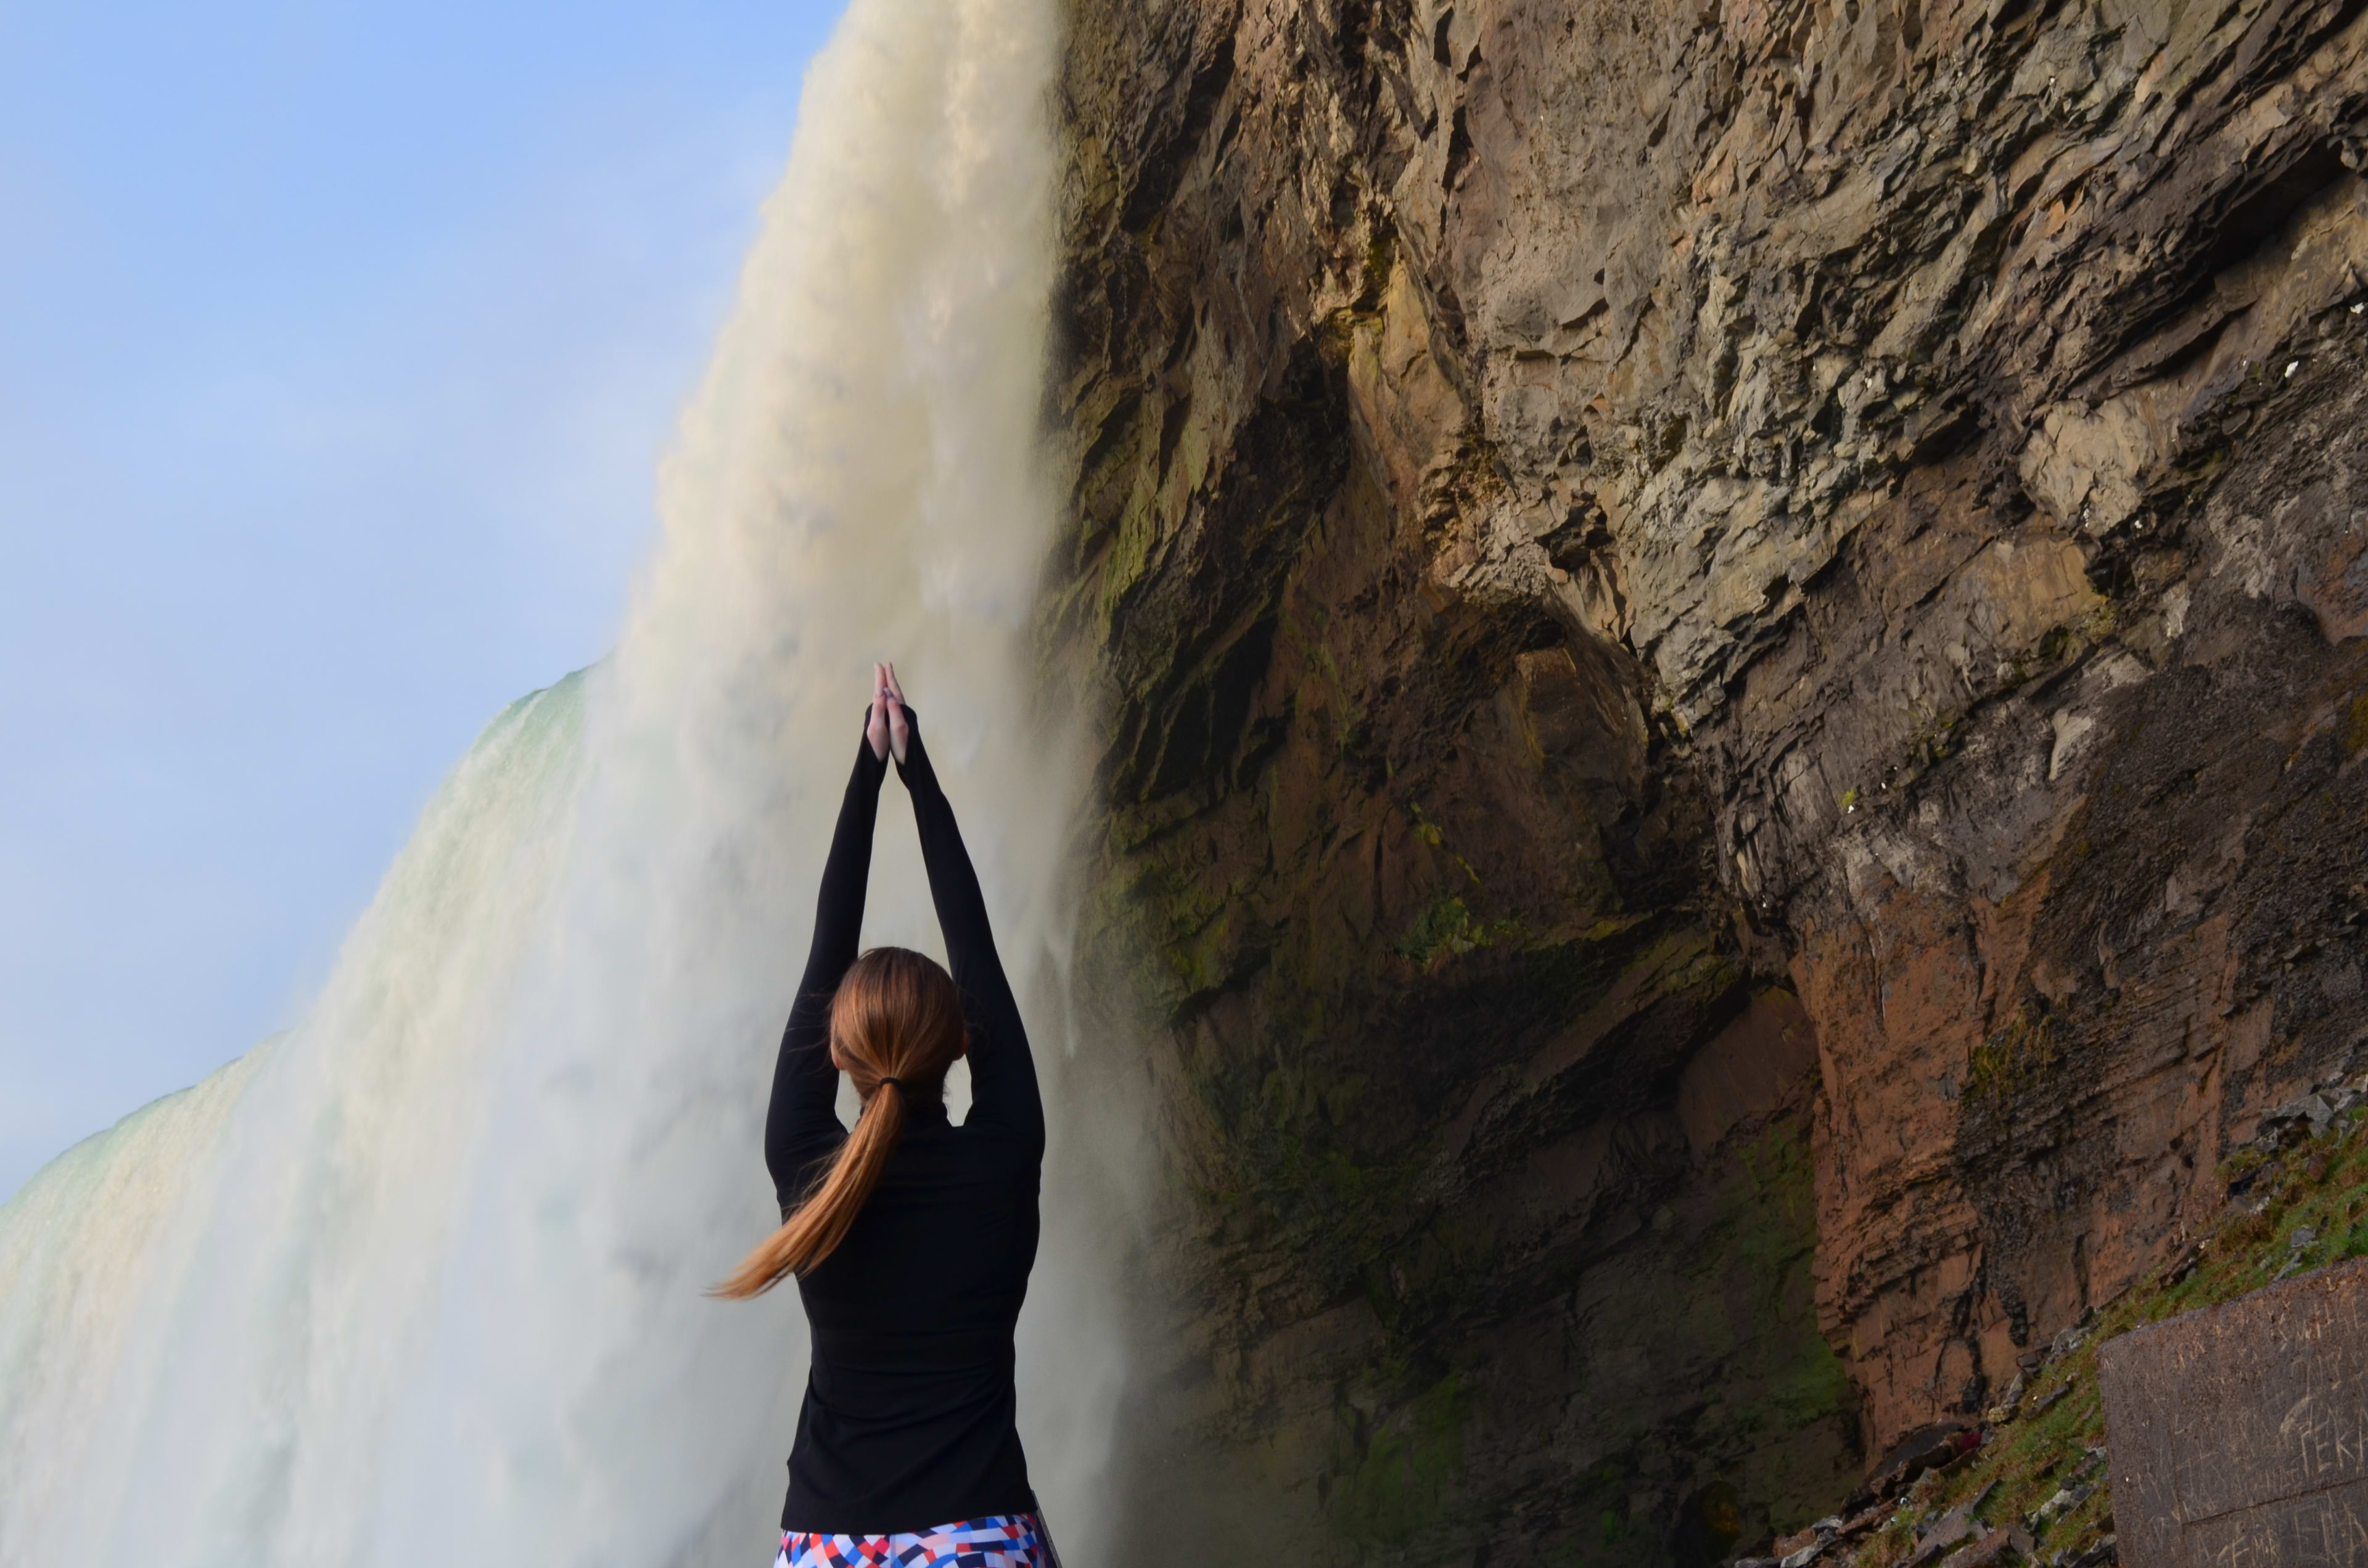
(1730, 636)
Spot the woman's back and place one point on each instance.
(910, 1409)
(944, 1245)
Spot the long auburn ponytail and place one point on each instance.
(896, 1024)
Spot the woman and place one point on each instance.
(911, 1238)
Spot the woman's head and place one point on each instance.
(896, 1016)
(896, 1028)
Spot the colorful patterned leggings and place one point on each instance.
(998, 1541)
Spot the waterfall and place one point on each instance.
(419, 1282)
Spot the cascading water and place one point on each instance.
(421, 1282)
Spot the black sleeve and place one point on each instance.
(1001, 1072)
(803, 1121)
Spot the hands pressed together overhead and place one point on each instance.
(886, 729)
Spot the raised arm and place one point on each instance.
(1001, 1072)
(802, 1123)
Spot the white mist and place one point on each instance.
(419, 1282)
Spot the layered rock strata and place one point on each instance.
(1731, 636)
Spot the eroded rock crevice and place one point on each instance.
(1731, 645)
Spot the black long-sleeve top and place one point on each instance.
(909, 1415)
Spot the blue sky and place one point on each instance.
(338, 343)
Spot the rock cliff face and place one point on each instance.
(1732, 634)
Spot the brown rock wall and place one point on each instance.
(1584, 512)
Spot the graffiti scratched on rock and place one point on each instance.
(2240, 1433)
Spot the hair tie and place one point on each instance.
(898, 1082)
